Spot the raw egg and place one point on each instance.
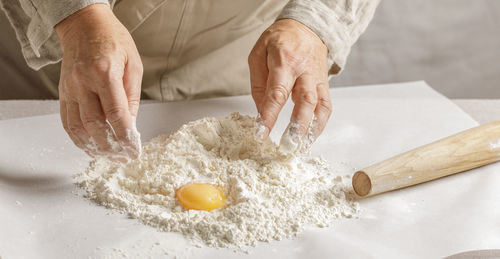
(200, 196)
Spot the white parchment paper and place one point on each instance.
(43, 215)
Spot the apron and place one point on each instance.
(192, 49)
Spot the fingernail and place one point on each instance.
(261, 131)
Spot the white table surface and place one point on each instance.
(482, 110)
(43, 215)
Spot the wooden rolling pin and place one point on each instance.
(466, 150)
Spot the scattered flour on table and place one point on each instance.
(270, 195)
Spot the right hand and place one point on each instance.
(289, 58)
(100, 83)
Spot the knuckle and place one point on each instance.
(325, 104)
(133, 102)
(115, 114)
(102, 69)
(78, 73)
(133, 105)
(91, 121)
(309, 98)
(288, 60)
(278, 94)
(74, 128)
(288, 54)
(94, 72)
(267, 33)
(101, 65)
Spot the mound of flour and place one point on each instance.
(270, 195)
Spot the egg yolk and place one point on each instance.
(200, 196)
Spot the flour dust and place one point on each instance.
(270, 195)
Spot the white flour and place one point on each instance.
(270, 195)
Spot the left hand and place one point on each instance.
(290, 58)
(100, 83)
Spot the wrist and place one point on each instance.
(71, 23)
(289, 23)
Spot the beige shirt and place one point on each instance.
(191, 48)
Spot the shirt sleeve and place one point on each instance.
(33, 22)
(339, 23)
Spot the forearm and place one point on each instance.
(34, 21)
(339, 23)
(52, 12)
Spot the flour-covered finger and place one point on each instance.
(279, 86)
(323, 109)
(132, 81)
(257, 63)
(101, 140)
(115, 106)
(305, 97)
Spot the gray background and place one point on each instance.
(452, 44)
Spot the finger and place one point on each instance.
(75, 126)
(257, 63)
(63, 110)
(132, 80)
(305, 97)
(103, 143)
(323, 109)
(76, 141)
(115, 106)
(279, 84)
(64, 119)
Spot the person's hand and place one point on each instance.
(290, 58)
(100, 83)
